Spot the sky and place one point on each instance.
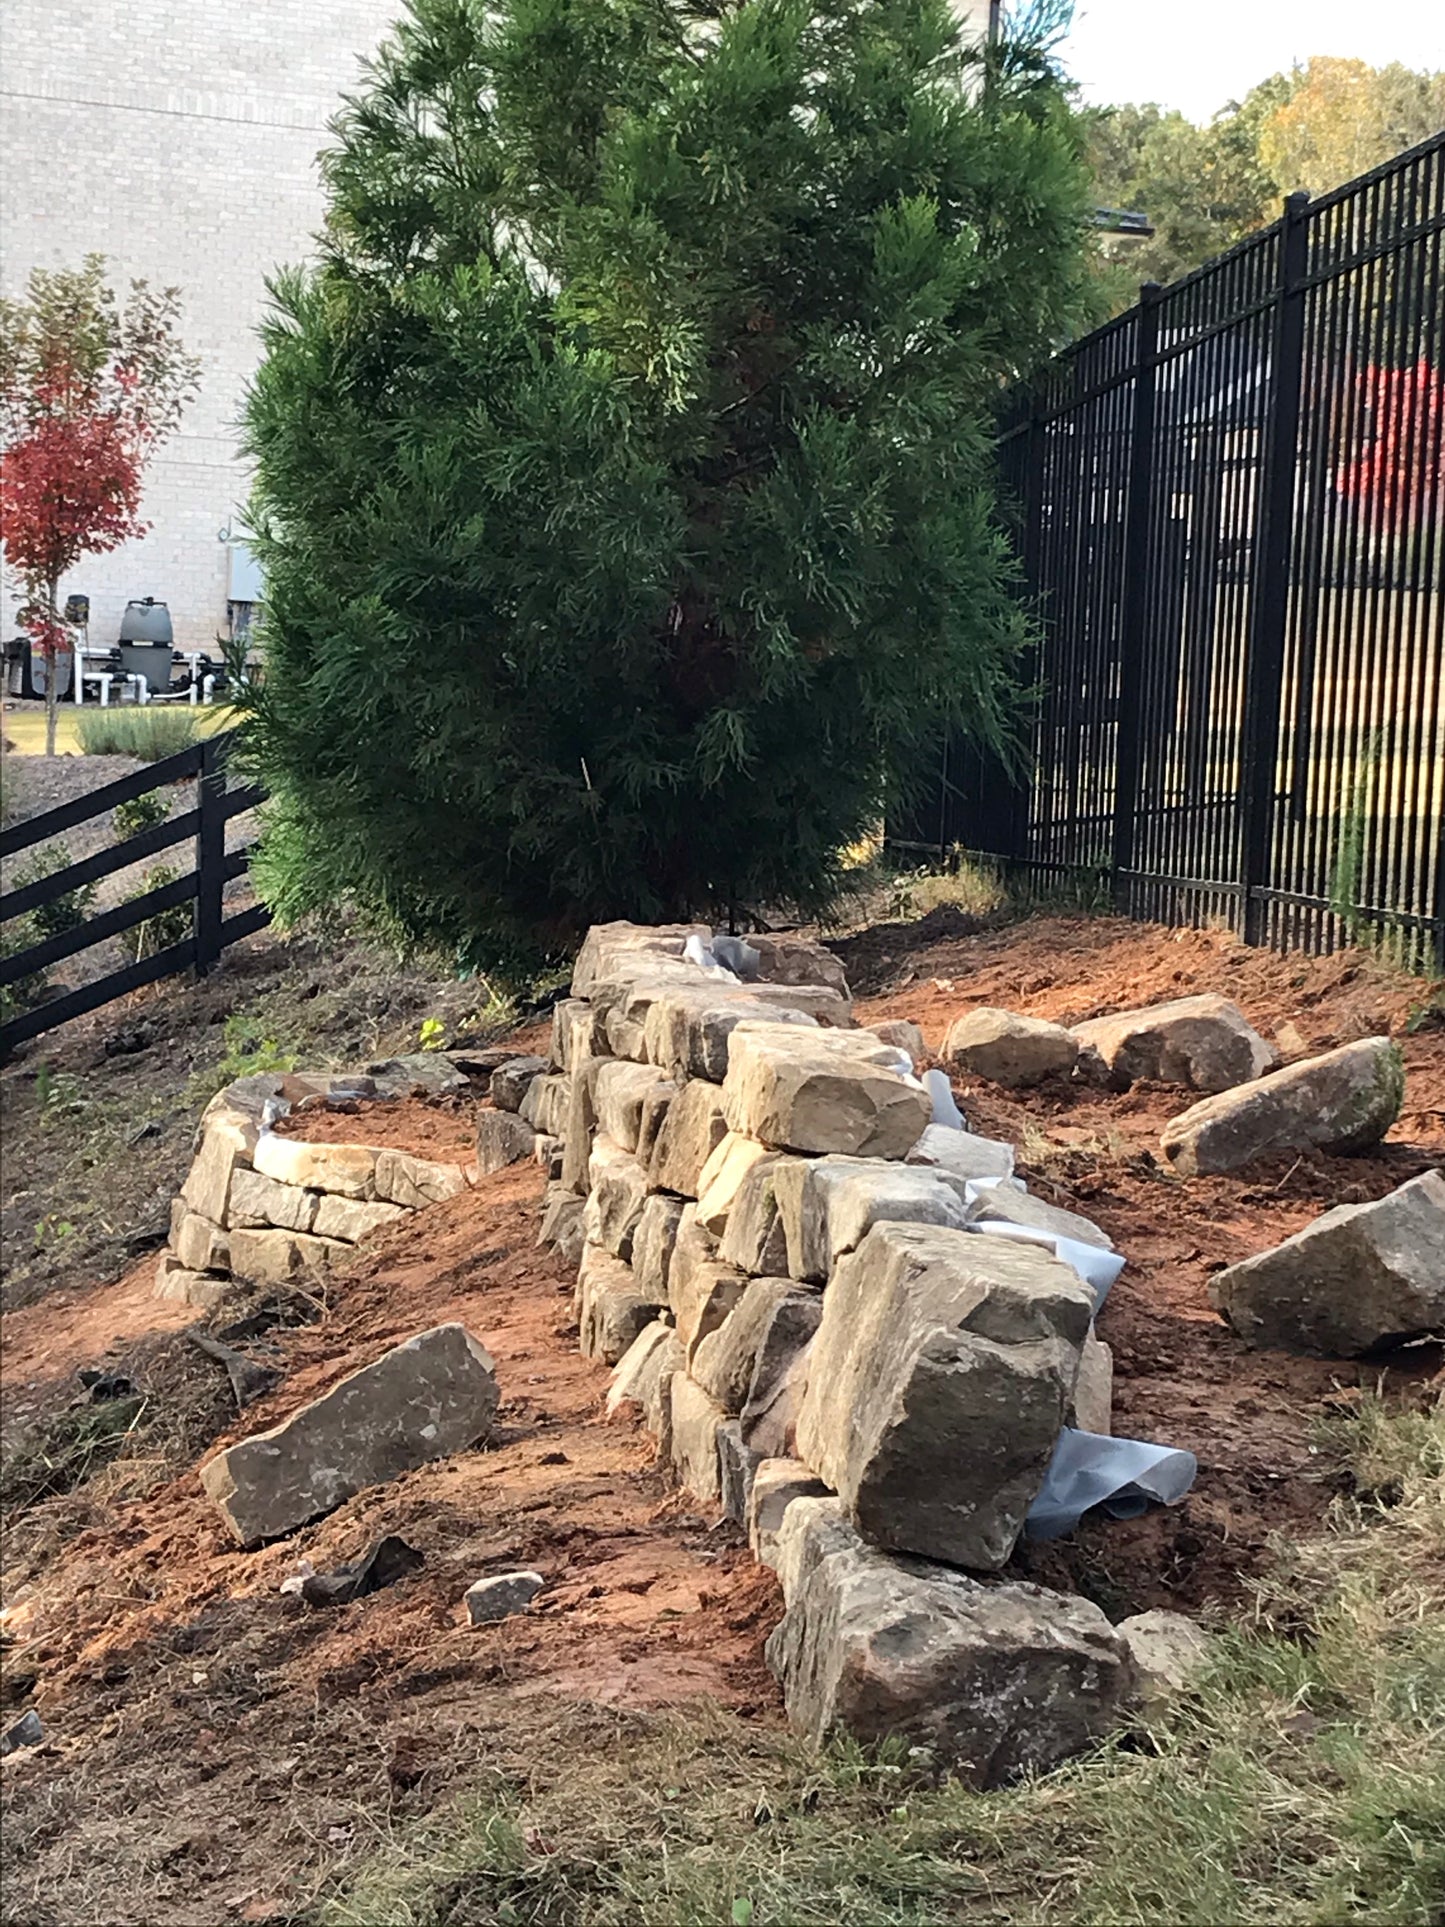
(1197, 55)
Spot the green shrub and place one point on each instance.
(147, 732)
(65, 912)
(625, 484)
(166, 927)
(139, 814)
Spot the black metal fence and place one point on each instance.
(203, 887)
(1230, 513)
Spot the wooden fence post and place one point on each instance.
(1134, 613)
(1269, 589)
(210, 853)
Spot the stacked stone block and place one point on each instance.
(278, 1210)
(773, 1250)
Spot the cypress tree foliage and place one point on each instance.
(624, 485)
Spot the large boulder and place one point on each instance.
(721, 1178)
(798, 960)
(1360, 1277)
(780, 1374)
(228, 1139)
(608, 946)
(755, 1237)
(689, 1026)
(347, 1169)
(619, 1192)
(1204, 1043)
(619, 1093)
(1343, 1101)
(822, 1090)
(281, 1257)
(996, 1680)
(696, 1421)
(1007, 1048)
(938, 1384)
(414, 1182)
(431, 1395)
(653, 1242)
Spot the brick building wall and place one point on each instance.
(180, 141)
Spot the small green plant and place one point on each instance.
(53, 919)
(249, 1053)
(139, 814)
(433, 1033)
(165, 927)
(145, 732)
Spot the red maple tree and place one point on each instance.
(87, 391)
(1400, 472)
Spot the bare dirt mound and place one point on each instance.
(201, 1724)
(1180, 1377)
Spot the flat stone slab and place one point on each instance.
(1360, 1277)
(963, 1153)
(938, 1384)
(259, 1202)
(997, 1681)
(1205, 1043)
(414, 1182)
(347, 1169)
(432, 1395)
(821, 1091)
(1343, 1101)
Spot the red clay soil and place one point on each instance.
(188, 1701)
(441, 1128)
(1181, 1378)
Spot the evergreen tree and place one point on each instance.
(623, 465)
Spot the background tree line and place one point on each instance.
(1204, 188)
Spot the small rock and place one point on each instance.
(27, 1731)
(1168, 1651)
(904, 1035)
(499, 1598)
(1009, 1049)
(390, 1559)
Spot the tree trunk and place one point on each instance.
(52, 662)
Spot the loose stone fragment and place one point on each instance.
(500, 1597)
(433, 1394)
(1343, 1101)
(1010, 1049)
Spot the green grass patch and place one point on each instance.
(147, 732)
(1302, 1781)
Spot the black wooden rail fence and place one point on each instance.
(203, 887)
(1230, 515)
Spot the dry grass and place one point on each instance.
(1302, 1782)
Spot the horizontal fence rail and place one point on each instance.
(203, 887)
(1229, 510)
